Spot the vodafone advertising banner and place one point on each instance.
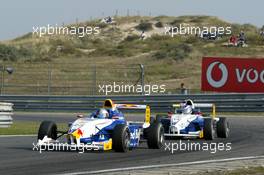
(233, 75)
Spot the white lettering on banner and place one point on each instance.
(240, 77)
(246, 74)
(262, 76)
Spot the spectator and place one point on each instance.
(241, 39)
(183, 89)
(242, 36)
(143, 35)
(109, 20)
(262, 33)
(233, 40)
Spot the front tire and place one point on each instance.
(49, 129)
(121, 138)
(222, 128)
(155, 136)
(209, 133)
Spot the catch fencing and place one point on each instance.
(158, 103)
(65, 78)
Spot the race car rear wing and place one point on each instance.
(109, 104)
(200, 105)
(134, 106)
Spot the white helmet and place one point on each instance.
(188, 107)
(102, 113)
(187, 110)
(189, 102)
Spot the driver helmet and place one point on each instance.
(188, 107)
(102, 113)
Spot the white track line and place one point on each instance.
(29, 135)
(162, 165)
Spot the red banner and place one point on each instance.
(232, 74)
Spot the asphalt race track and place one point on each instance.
(17, 156)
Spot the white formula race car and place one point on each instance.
(187, 121)
(105, 129)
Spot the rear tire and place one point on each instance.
(209, 133)
(152, 120)
(121, 138)
(49, 129)
(155, 136)
(223, 128)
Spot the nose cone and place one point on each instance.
(85, 128)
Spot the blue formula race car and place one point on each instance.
(106, 129)
(188, 121)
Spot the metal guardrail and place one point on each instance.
(158, 103)
(6, 112)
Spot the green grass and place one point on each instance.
(24, 128)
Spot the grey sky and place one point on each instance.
(17, 17)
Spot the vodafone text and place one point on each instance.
(246, 75)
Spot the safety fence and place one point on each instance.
(158, 103)
(65, 78)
